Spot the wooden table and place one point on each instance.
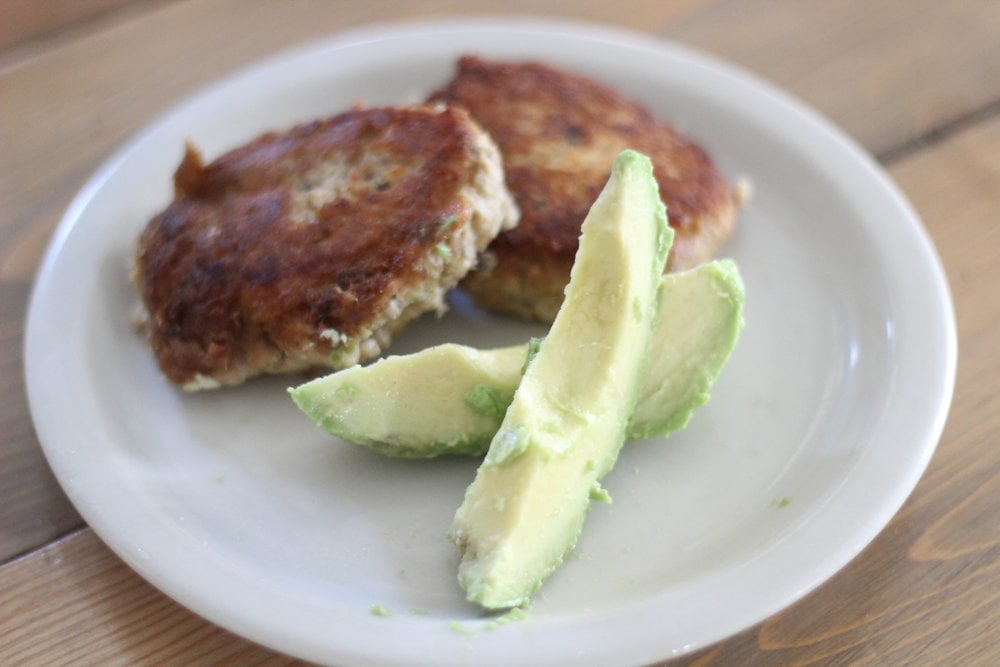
(916, 82)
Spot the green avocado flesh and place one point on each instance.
(450, 399)
(447, 399)
(699, 322)
(566, 423)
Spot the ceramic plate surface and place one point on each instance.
(238, 507)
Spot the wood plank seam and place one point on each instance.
(80, 29)
(939, 133)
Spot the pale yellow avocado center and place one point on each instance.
(567, 420)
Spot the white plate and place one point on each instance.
(236, 506)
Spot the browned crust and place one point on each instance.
(239, 274)
(559, 134)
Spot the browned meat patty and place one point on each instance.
(559, 133)
(312, 247)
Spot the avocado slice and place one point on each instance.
(408, 406)
(701, 318)
(449, 399)
(566, 423)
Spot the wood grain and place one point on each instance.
(887, 72)
(25, 20)
(115, 616)
(916, 82)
